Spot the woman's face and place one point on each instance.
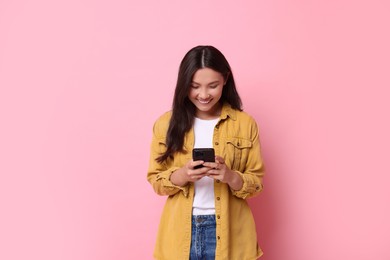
(205, 92)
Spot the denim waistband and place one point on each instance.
(203, 220)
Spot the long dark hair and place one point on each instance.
(183, 110)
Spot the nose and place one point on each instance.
(203, 94)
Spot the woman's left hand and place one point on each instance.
(221, 172)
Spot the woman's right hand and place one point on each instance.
(188, 173)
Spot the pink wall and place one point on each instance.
(83, 81)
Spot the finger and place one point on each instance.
(214, 165)
(200, 171)
(219, 159)
(197, 176)
(213, 172)
(193, 164)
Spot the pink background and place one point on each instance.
(83, 81)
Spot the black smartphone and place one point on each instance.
(204, 154)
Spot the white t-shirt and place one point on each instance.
(204, 203)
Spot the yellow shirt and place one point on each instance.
(236, 139)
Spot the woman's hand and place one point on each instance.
(219, 171)
(187, 173)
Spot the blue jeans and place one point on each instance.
(203, 238)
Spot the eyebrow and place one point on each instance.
(213, 82)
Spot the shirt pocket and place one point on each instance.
(238, 150)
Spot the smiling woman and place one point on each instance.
(206, 90)
(206, 215)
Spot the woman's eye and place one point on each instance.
(213, 86)
(194, 87)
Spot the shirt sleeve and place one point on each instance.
(159, 173)
(253, 174)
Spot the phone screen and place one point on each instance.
(204, 154)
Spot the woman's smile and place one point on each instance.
(204, 101)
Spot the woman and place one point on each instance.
(206, 215)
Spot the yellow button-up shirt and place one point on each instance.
(236, 139)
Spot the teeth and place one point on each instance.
(204, 101)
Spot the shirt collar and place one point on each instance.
(228, 111)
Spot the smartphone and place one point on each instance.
(204, 154)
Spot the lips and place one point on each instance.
(204, 102)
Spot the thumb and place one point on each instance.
(219, 159)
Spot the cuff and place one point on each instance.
(165, 177)
(249, 186)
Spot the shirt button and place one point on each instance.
(218, 181)
(216, 143)
(218, 237)
(218, 217)
(217, 126)
(218, 198)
